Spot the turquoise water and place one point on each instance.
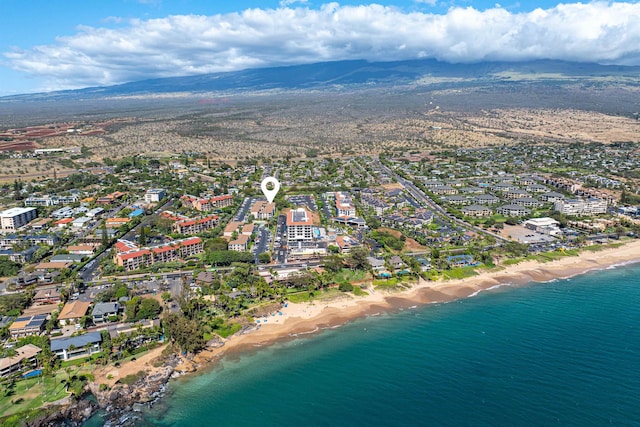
(563, 353)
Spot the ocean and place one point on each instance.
(563, 353)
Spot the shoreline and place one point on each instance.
(300, 319)
(313, 317)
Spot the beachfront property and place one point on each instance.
(299, 225)
(24, 359)
(543, 225)
(76, 347)
(14, 218)
(581, 207)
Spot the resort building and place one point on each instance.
(580, 207)
(299, 225)
(344, 205)
(173, 251)
(486, 199)
(76, 347)
(194, 226)
(513, 210)
(240, 244)
(263, 210)
(14, 218)
(477, 210)
(48, 200)
(552, 197)
(207, 204)
(25, 358)
(528, 202)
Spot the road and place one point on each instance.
(420, 196)
(89, 272)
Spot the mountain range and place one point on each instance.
(355, 73)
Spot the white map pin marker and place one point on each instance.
(270, 194)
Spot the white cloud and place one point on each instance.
(607, 32)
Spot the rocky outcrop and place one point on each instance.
(72, 413)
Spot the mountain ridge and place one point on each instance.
(342, 74)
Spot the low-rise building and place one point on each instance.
(263, 210)
(172, 251)
(477, 211)
(27, 325)
(73, 311)
(240, 244)
(103, 310)
(513, 210)
(344, 205)
(543, 225)
(25, 358)
(75, 347)
(194, 226)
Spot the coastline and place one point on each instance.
(309, 318)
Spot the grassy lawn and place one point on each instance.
(459, 273)
(346, 275)
(307, 296)
(359, 292)
(34, 392)
(82, 361)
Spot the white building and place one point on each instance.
(154, 195)
(14, 218)
(543, 225)
(580, 207)
(344, 205)
(299, 225)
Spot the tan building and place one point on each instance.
(10, 365)
(262, 210)
(240, 244)
(72, 312)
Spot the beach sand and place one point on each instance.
(308, 318)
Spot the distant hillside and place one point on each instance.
(345, 74)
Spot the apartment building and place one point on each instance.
(581, 207)
(299, 225)
(173, 251)
(14, 218)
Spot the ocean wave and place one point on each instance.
(490, 288)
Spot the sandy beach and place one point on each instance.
(307, 318)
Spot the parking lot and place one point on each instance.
(525, 235)
(305, 200)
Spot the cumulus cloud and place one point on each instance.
(606, 32)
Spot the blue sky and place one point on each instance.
(57, 44)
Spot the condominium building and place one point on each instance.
(344, 205)
(154, 195)
(194, 226)
(173, 251)
(263, 210)
(580, 207)
(203, 204)
(14, 218)
(299, 225)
